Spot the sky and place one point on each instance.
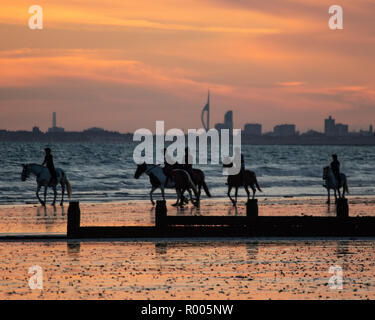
(123, 64)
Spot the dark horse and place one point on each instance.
(236, 182)
(199, 180)
(181, 181)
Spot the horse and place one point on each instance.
(181, 181)
(236, 181)
(43, 177)
(332, 183)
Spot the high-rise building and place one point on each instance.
(342, 129)
(228, 122)
(54, 127)
(253, 129)
(54, 120)
(329, 126)
(332, 129)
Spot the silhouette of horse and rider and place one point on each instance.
(48, 177)
(334, 179)
(180, 176)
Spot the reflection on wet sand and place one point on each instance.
(199, 269)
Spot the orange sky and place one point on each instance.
(123, 64)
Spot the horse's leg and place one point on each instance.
(329, 196)
(62, 193)
(37, 195)
(254, 190)
(236, 194)
(247, 191)
(335, 195)
(181, 197)
(228, 193)
(45, 194)
(199, 195)
(151, 192)
(54, 195)
(162, 192)
(195, 203)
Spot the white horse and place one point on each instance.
(43, 177)
(181, 181)
(332, 183)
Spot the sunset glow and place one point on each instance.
(122, 65)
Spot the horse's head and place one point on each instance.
(141, 168)
(325, 173)
(25, 172)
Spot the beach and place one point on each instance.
(182, 268)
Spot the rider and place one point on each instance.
(235, 158)
(167, 167)
(335, 166)
(48, 161)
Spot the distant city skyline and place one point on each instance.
(123, 65)
(331, 128)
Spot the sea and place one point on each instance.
(102, 176)
(104, 172)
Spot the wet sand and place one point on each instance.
(188, 269)
(34, 219)
(182, 269)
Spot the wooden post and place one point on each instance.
(160, 214)
(74, 219)
(342, 208)
(252, 208)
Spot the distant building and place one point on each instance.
(312, 133)
(54, 127)
(329, 126)
(253, 129)
(371, 130)
(36, 130)
(94, 129)
(284, 130)
(228, 122)
(332, 129)
(342, 129)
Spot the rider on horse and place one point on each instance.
(48, 161)
(335, 166)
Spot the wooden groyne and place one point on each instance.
(251, 225)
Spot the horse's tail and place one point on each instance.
(205, 188)
(256, 182)
(346, 187)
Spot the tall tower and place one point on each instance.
(206, 124)
(54, 120)
(329, 126)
